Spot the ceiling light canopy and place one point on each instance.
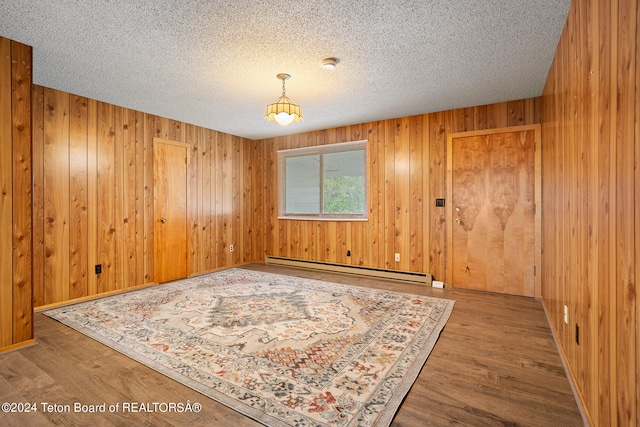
(283, 111)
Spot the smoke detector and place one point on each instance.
(329, 63)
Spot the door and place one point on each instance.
(492, 218)
(170, 210)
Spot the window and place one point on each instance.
(324, 182)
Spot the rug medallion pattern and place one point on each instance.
(283, 350)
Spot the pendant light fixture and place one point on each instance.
(283, 111)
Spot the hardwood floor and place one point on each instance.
(495, 364)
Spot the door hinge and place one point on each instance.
(535, 270)
(535, 209)
(535, 146)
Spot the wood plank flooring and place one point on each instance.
(495, 364)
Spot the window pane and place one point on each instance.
(324, 182)
(343, 185)
(302, 185)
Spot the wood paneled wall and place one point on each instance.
(407, 169)
(16, 308)
(93, 196)
(591, 194)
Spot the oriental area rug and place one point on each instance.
(285, 351)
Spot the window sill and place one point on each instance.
(323, 218)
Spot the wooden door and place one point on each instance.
(492, 210)
(170, 209)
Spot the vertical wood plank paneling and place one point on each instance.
(389, 195)
(192, 137)
(129, 199)
(590, 130)
(224, 209)
(106, 197)
(416, 195)
(208, 200)
(139, 199)
(569, 150)
(613, 199)
(16, 210)
(95, 169)
(437, 170)
(637, 208)
(119, 144)
(37, 132)
(119, 204)
(175, 131)
(237, 183)
(516, 113)
(480, 117)
(406, 174)
(246, 201)
(92, 195)
(376, 198)
(6, 197)
(258, 217)
(402, 190)
(497, 115)
(78, 180)
(147, 150)
(22, 203)
(162, 128)
(627, 405)
(56, 191)
(589, 388)
(270, 207)
(217, 201)
(428, 199)
(583, 294)
(195, 137)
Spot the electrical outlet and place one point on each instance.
(566, 315)
(230, 248)
(98, 268)
(397, 257)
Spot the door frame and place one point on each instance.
(449, 214)
(187, 147)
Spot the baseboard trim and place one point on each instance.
(586, 418)
(17, 346)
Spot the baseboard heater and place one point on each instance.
(406, 276)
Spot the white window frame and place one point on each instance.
(320, 150)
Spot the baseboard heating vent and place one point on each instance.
(406, 276)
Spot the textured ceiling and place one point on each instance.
(213, 63)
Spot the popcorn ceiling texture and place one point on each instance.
(214, 63)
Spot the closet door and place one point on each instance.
(170, 209)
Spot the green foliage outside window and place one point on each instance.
(343, 195)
